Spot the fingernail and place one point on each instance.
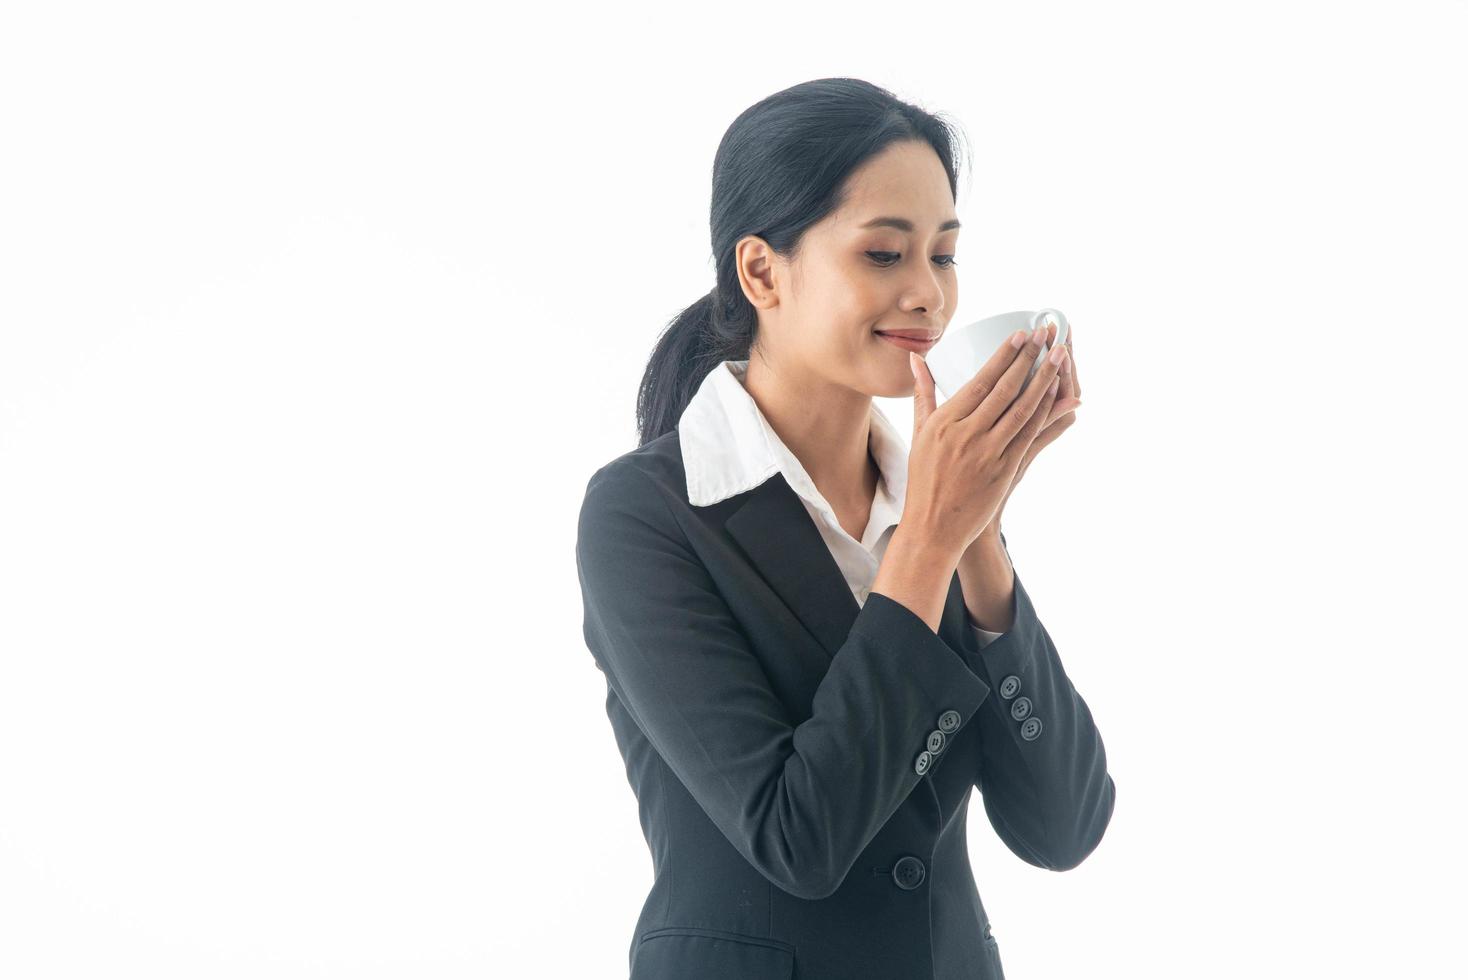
(1058, 354)
(1018, 340)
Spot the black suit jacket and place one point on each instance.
(772, 730)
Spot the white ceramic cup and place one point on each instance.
(954, 360)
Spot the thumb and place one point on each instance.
(923, 399)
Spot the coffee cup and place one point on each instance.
(955, 359)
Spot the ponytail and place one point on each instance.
(698, 340)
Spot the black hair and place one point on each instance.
(780, 168)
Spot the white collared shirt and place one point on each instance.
(729, 447)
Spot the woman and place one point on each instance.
(804, 690)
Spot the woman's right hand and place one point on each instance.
(965, 453)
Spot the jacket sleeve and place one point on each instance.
(1042, 768)
(800, 801)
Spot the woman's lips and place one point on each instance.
(908, 343)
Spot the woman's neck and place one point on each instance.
(827, 427)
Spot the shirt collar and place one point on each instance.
(728, 446)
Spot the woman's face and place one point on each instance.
(852, 278)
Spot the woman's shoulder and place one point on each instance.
(650, 476)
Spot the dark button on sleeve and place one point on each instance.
(1020, 709)
(936, 739)
(948, 722)
(1029, 729)
(924, 760)
(1009, 687)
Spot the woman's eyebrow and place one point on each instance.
(902, 224)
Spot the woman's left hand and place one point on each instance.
(1062, 414)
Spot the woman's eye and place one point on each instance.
(889, 258)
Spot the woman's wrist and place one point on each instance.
(917, 571)
(987, 579)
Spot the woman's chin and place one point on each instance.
(896, 387)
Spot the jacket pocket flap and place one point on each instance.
(680, 952)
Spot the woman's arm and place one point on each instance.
(988, 583)
(1043, 766)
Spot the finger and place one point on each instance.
(1067, 399)
(1063, 406)
(974, 391)
(1030, 431)
(1004, 391)
(1050, 432)
(1023, 408)
(923, 398)
(1043, 439)
(1075, 377)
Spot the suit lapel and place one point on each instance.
(777, 533)
(774, 529)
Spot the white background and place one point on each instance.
(315, 319)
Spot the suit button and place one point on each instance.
(948, 722)
(1020, 709)
(1029, 729)
(924, 760)
(909, 873)
(935, 741)
(1009, 687)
